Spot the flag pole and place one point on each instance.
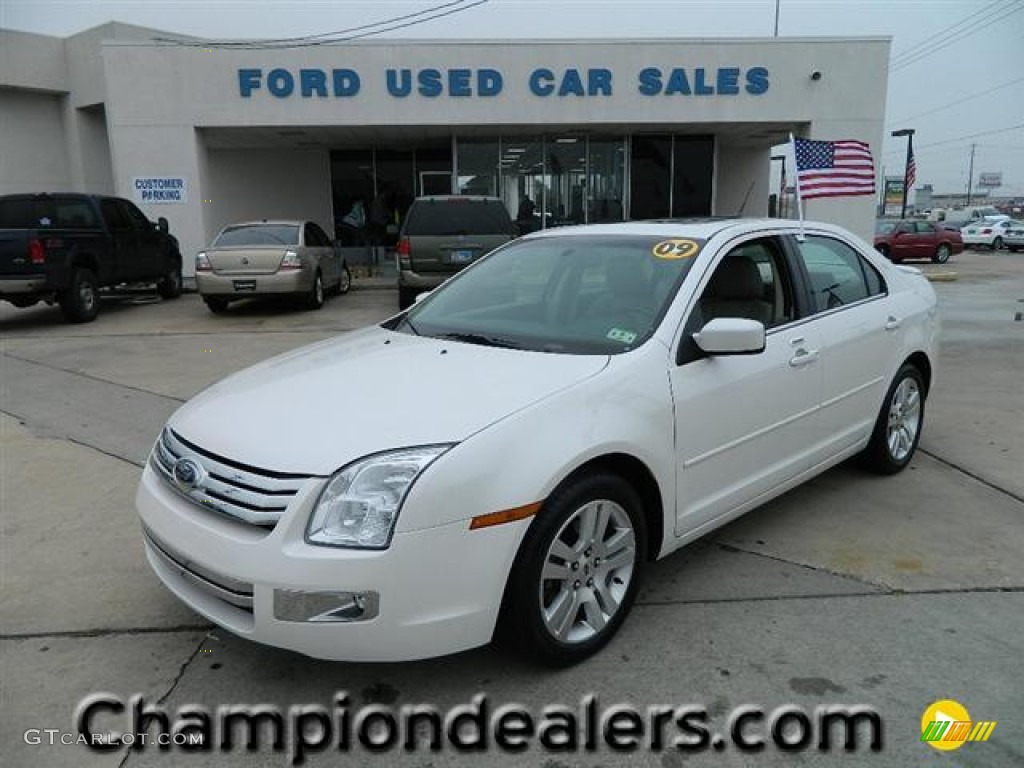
(796, 184)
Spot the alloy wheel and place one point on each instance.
(904, 419)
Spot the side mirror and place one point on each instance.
(731, 336)
(161, 224)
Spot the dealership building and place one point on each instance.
(347, 134)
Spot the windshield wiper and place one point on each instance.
(482, 339)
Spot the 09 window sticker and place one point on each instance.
(677, 248)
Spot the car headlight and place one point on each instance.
(359, 506)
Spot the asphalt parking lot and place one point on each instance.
(854, 590)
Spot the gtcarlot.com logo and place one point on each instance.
(946, 725)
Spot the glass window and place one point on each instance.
(692, 167)
(752, 282)
(73, 213)
(604, 190)
(135, 216)
(258, 234)
(924, 227)
(320, 236)
(838, 274)
(650, 177)
(352, 190)
(478, 167)
(23, 213)
(884, 227)
(565, 174)
(523, 181)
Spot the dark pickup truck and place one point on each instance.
(64, 247)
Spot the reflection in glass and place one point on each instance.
(478, 167)
(601, 198)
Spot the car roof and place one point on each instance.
(267, 222)
(703, 228)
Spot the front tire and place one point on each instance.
(578, 570)
(80, 303)
(942, 254)
(997, 244)
(898, 427)
(169, 286)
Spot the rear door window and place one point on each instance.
(458, 217)
(71, 213)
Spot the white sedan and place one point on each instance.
(990, 233)
(519, 444)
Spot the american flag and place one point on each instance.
(834, 168)
(911, 172)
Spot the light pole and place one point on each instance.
(909, 133)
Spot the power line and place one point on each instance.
(958, 101)
(923, 45)
(342, 35)
(959, 138)
(1002, 14)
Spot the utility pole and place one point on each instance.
(970, 175)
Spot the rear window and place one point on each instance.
(48, 213)
(458, 217)
(259, 234)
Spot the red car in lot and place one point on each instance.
(901, 239)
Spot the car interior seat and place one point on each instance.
(736, 290)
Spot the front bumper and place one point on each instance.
(438, 589)
(277, 283)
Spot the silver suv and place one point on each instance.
(442, 235)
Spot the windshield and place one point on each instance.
(258, 234)
(586, 294)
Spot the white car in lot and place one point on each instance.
(990, 233)
(575, 404)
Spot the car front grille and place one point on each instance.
(248, 494)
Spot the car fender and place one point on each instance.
(519, 460)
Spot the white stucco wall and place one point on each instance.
(741, 180)
(33, 151)
(248, 184)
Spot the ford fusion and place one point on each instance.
(511, 451)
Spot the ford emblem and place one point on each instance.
(189, 474)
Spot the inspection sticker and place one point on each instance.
(675, 249)
(617, 334)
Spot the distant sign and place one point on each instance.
(159, 189)
(990, 180)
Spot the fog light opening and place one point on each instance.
(324, 607)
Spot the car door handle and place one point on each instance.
(892, 323)
(803, 357)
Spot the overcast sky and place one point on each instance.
(957, 74)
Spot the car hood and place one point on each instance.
(318, 408)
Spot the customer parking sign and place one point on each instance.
(159, 189)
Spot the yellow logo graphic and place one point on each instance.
(946, 725)
(675, 249)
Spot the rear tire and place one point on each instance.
(997, 244)
(563, 603)
(345, 281)
(406, 297)
(884, 250)
(169, 286)
(942, 254)
(315, 297)
(80, 303)
(216, 304)
(898, 427)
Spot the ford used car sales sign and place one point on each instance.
(485, 82)
(159, 189)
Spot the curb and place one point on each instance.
(941, 277)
